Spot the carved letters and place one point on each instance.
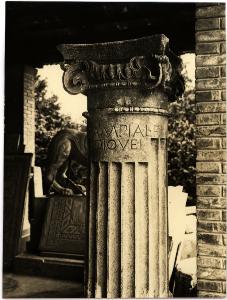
(123, 136)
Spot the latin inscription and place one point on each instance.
(124, 137)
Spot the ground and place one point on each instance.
(22, 286)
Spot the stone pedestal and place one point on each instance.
(128, 85)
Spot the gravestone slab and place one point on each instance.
(64, 226)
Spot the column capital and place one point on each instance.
(146, 63)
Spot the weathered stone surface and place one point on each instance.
(224, 168)
(208, 190)
(211, 107)
(204, 226)
(214, 239)
(211, 250)
(211, 167)
(223, 48)
(222, 23)
(211, 202)
(207, 72)
(209, 273)
(64, 225)
(207, 48)
(206, 96)
(211, 262)
(211, 11)
(208, 119)
(224, 143)
(223, 71)
(208, 294)
(207, 24)
(212, 132)
(204, 84)
(211, 155)
(210, 36)
(210, 60)
(128, 85)
(213, 214)
(213, 286)
(210, 179)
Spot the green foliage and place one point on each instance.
(181, 143)
(48, 120)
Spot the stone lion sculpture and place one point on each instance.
(66, 146)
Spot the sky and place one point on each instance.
(75, 105)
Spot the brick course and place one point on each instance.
(211, 145)
(29, 110)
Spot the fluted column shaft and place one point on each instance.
(128, 85)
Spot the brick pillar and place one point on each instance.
(28, 137)
(128, 85)
(211, 145)
(29, 110)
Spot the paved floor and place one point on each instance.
(23, 286)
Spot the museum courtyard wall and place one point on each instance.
(211, 149)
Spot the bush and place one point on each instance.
(181, 143)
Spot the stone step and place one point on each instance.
(54, 267)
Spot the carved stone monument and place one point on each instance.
(63, 228)
(128, 85)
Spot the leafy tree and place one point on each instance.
(181, 143)
(48, 120)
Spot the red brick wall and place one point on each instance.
(29, 110)
(211, 145)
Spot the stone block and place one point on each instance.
(212, 214)
(207, 285)
(208, 167)
(223, 95)
(223, 71)
(224, 215)
(224, 143)
(224, 191)
(223, 119)
(210, 36)
(211, 107)
(207, 48)
(207, 249)
(208, 119)
(211, 202)
(211, 155)
(207, 143)
(204, 226)
(211, 274)
(210, 60)
(223, 48)
(206, 96)
(222, 23)
(208, 190)
(210, 238)
(207, 24)
(224, 168)
(211, 262)
(207, 72)
(208, 294)
(210, 84)
(210, 179)
(210, 11)
(212, 131)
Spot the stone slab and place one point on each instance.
(64, 226)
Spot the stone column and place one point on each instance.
(128, 85)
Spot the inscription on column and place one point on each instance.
(123, 136)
